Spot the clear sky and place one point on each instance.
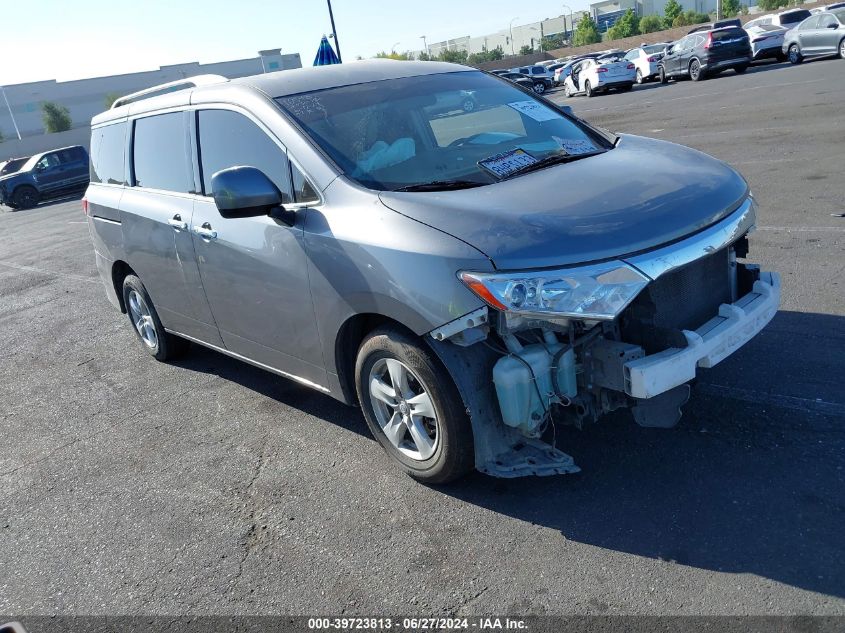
(74, 39)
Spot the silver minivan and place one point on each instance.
(470, 278)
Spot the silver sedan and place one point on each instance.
(820, 35)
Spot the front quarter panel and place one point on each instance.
(365, 258)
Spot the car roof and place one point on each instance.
(289, 82)
(57, 149)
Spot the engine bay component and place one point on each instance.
(605, 363)
(663, 411)
(466, 330)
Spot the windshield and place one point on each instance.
(400, 133)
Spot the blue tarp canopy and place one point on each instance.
(325, 54)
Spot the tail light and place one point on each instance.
(630, 67)
(601, 70)
(709, 41)
(85, 206)
(653, 58)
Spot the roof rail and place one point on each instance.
(173, 86)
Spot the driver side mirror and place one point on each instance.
(833, 26)
(244, 192)
(39, 167)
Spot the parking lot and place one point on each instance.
(208, 486)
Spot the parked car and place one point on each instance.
(460, 100)
(702, 55)
(553, 68)
(12, 165)
(718, 24)
(766, 41)
(820, 35)
(646, 60)
(590, 76)
(46, 175)
(541, 77)
(564, 71)
(518, 79)
(323, 224)
(787, 19)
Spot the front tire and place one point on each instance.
(145, 322)
(539, 87)
(842, 49)
(740, 69)
(25, 197)
(413, 407)
(794, 55)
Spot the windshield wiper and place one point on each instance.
(554, 159)
(442, 185)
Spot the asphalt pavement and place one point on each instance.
(208, 486)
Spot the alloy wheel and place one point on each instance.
(694, 70)
(639, 76)
(142, 319)
(403, 409)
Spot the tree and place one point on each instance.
(110, 98)
(730, 8)
(424, 57)
(626, 26)
(455, 57)
(394, 55)
(680, 20)
(552, 42)
(694, 17)
(651, 23)
(56, 117)
(486, 56)
(586, 32)
(525, 49)
(671, 11)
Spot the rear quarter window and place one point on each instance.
(108, 146)
(793, 18)
(160, 153)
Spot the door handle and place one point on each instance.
(205, 231)
(177, 223)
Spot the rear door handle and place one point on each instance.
(205, 231)
(177, 223)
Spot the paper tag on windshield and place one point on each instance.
(504, 164)
(573, 147)
(535, 110)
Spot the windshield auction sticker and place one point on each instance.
(506, 163)
(535, 110)
(574, 147)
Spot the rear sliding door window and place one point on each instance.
(160, 153)
(107, 154)
(230, 139)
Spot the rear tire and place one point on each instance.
(25, 197)
(147, 326)
(842, 49)
(434, 448)
(539, 87)
(588, 89)
(794, 55)
(740, 69)
(627, 88)
(639, 76)
(661, 73)
(695, 72)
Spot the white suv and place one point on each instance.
(787, 19)
(646, 59)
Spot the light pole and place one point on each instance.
(334, 32)
(510, 27)
(425, 45)
(571, 24)
(393, 47)
(15, 123)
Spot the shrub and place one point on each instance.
(56, 117)
(671, 11)
(651, 23)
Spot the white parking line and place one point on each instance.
(804, 229)
(43, 271)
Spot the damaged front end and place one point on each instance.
(572, 344)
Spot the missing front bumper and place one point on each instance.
(735, 325)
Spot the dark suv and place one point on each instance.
(46, 175)
(700, 55)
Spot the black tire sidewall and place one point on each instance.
(20, 191)
(454, 455)
(160, 351)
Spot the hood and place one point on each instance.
(637, 196)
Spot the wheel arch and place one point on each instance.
(119, 271)
(350, 335)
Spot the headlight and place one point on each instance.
(600, 291)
